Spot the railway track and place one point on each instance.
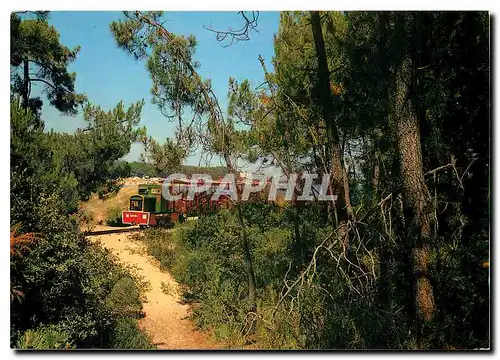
(102, 230)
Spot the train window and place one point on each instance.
(136, 205)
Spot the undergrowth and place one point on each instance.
(334, 299)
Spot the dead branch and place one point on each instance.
(242, 34)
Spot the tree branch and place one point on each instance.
(238, 35)
(45, 82)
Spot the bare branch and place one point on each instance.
(240, 34)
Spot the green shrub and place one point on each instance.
(110, 188)
(160, 244)
(125, 298)
(207, 257)
(127, 335)
(68, 281)
(82, 217)
(328, 309)
(114, 216)
(44, 338)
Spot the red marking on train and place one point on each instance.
(135, 217)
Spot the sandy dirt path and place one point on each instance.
(165, 316)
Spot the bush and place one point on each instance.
(68, 281)
(44, 338)
(114, 216)
(161, 245)
(127, 335)
(125, 298)
(82, 217)
(207, 257)
(109, 189)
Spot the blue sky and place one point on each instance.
(107, 74)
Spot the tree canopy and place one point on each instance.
(38, 57)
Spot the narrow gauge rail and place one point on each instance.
(111, 230)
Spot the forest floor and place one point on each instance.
(165, 319)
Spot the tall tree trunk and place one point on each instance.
(339, 181)
(247, 256)
(347, 190)
(26, 84)
(248, 259)
(297, 247)
(375, 176)
(384, 256)
(415, 190)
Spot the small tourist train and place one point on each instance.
(168, 201)
(149, 207)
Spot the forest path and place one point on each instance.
(165, 314)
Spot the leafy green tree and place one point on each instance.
(399, 71)
(166, 158)
(90, 155)
(32, 171)
(37, 56)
